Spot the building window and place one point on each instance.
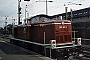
(89, 11)
(88, 16)
(86, 12)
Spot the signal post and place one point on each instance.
(19, 10)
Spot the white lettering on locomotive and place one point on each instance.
(62, 26)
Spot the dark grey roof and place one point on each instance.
(40, 15)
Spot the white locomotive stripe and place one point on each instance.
(61, 23)
(43, 24)
(31, 42)
(47, 45)
(65, 43)
(39, 43)
(66, 46)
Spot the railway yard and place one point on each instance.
(44, 36)
(86, 53)
(9, 51)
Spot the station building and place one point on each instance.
(80, 21)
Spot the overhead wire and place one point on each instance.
(51, 7)
(7, 6)
(74, 1)
(78, 1)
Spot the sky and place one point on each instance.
(9, 8)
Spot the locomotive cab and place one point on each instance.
(63, 31)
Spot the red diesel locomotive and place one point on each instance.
(52, 38)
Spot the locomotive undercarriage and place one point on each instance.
(59, 53)
(68, 53)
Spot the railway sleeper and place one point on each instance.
(81, 58)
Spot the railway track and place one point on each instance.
(85, 53)
(28, 52)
